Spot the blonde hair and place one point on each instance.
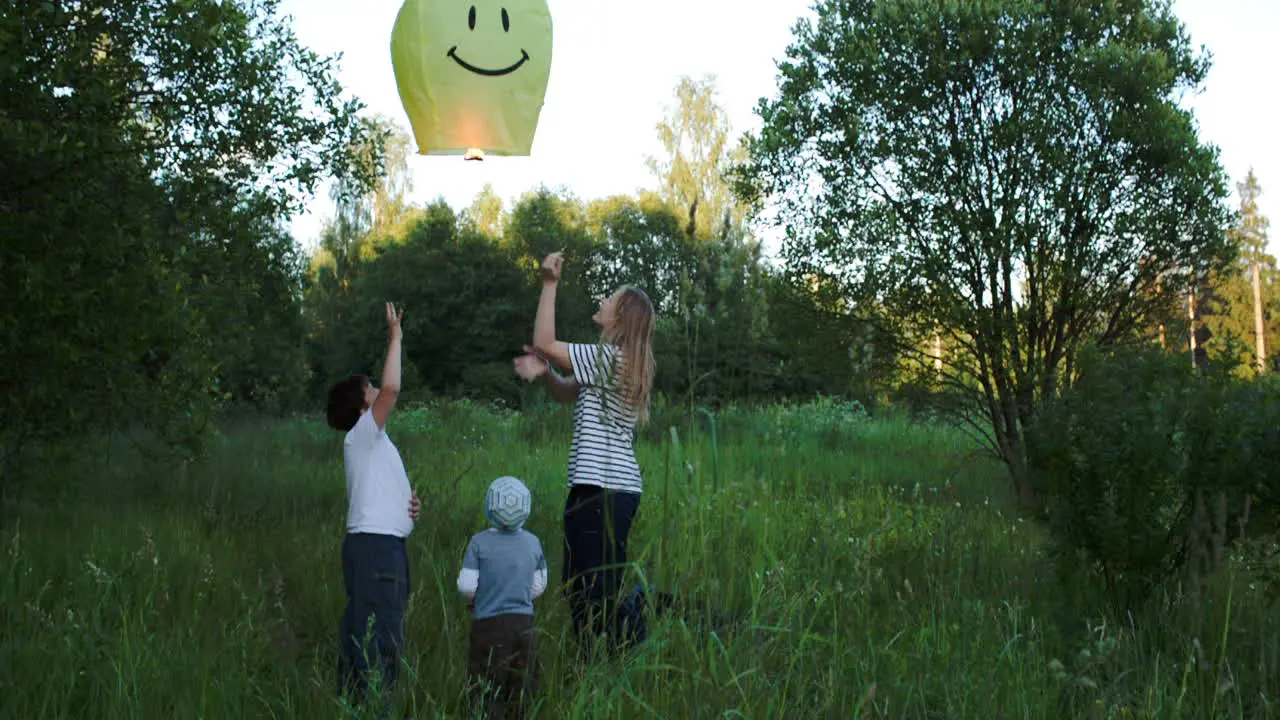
(633, 332)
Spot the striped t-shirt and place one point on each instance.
(603, 423)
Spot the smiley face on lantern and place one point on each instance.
(472, 74)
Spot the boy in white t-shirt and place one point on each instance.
(381, 511)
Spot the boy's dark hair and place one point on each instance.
(346, 401)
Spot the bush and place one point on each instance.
(1148, 467)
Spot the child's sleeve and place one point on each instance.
(469, 576)
(539, 571)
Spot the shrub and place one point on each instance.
(1148, 467)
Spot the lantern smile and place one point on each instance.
(453, 53)
(472, 76)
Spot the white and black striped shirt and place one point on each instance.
(603, 423)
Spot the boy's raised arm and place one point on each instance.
(389, 389)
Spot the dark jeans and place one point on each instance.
(502, 665)
(597, 523)
(375, 570)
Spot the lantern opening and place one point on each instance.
(474, 154)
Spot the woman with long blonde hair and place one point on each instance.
(610, 382)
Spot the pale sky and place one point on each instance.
(615, 66)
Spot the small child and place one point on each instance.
(503, 571)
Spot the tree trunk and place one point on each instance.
(1022, 481)
(937, 351)
(1259, 327)
(691, 228)
(1199, 353)
(1012, 445)
(1163, 343)
(1191, 317)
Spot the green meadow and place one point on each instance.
(873, 567)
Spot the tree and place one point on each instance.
(640, 241)
(486, 214)
(468, 304)
(370, 211)
(136, 137)
(248, 286)
(714, 343)
(369, 202)
(712, 333)
(394, 183)
(1243, 330)
(1016, 174)
(542, 222)
(693, 172)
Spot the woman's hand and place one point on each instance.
(530, 366)
(551, 265)
(393, 321)
(415, 507)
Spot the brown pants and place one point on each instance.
(502, 668)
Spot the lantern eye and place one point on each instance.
(471, 18)
(506, 21)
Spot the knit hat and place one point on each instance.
(508, 503)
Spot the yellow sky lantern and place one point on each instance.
(472, 74)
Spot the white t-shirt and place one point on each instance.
(377, 486)
(604, 423)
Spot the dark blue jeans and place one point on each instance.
(597, 525)
(375, 570)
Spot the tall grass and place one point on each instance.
(872, 567)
